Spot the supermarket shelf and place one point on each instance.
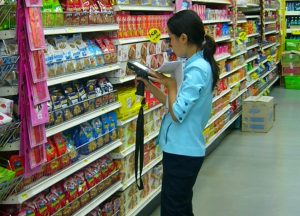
(48, 181)
(215, 21)
(291, 30)
(142, 8)
(272, 83)
(7, 34)
(98, 200)
(239, 94)
(251, 83)
(234, 84)
(271, 9)
(271, 32)
(237, 54)
(222, 57)
(232, 71)
(225, 38)
(81, 29)
(213, 138)
(252, 5)
(278, 44)
(147, 168)
(241, 21)
(8, 91)
(266, 74)
(268, 46)
(292, 13)
(253, 17)
(14, 146)
(82, 118)
(135, 39)
(252, 70)
(121, 123)
(213, 1)
(131, 149)
(115, 80)
(218, 115)
(221, 95)
(264, 61)
(270, 22)
(83, 74)
(252, 58)
(142, 204)
(252, 35)
(252, 46)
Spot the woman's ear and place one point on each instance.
(183, 38)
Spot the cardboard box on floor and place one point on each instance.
(258, 114)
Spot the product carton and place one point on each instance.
(258, 114)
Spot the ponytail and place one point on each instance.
(209, 49)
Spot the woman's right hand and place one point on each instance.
(148, 84)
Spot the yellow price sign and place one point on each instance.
(296, 32)
(154, 35)
(270, 58)
(24, 196)
(243, 36)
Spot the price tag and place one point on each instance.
(243, 36)
(24, 196)
(154, 35)
(296, 32)
(86, 161)
(70, 30)
(270, 58)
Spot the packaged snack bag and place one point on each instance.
(70, 189)
(58, 15)
(59, 192)
(53, 202)
(41, 206)
(81, 183)
(97, 127)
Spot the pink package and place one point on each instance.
(38, 114)
(35, 31)
(37, 135)
(37, 156)
(38, 66)
(40, 93)
(33, 3)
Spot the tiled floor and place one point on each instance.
(253, 174)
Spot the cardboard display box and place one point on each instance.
(258, 114)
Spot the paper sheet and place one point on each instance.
(175, 69)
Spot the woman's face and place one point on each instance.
(177, 44)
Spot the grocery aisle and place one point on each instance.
(254, 174)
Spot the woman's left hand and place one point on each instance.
(168, 82)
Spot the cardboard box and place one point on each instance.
(258, 114)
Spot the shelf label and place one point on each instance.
(296, 32)
(243, 36)
(154, 35)
(24, 196)
(86, 161)
(70, 30)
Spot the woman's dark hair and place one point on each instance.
(189, 23)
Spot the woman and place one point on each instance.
(189, 108)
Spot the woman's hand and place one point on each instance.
(168, 82)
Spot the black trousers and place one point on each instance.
(179, 176)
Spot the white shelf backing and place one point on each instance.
(252, 70)
(142, 8)
(215, 21)
(292, 13)
(252, 35)
(127, 151)
(270, 85)
(237, 54)
(120, 80)
(239, 94)
(213, 1)
(221, 39)
(221, 95)
(81, 29)
(270, 22)
(144, 202)
(82, 118)
(7, 34)
(121, 123)
(268, 46)
(252, 46)
(252, 58)
(98, 200)
(213, 138)
(146, 169)
(234, 84)
(83, 74)
(232, 71)
(51, 180)
(222, 57)
(253, 17)
(217, 115)
(14, 146)
(135, 39)
(271, 32)
(8, 91)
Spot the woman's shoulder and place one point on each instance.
(199, 65)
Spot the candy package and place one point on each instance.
(6, 106)
(35, 30)
(41, 205)
(38, 66)
(37, 156)
(33, 3)
(53, 202)
(70, 189)
(59, 192)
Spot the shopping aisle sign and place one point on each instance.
(154, 35)
(296, 32)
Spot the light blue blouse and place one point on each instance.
(192, 110)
